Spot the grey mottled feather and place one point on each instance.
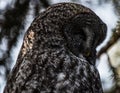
(46, 64)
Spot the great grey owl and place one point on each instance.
(58, 53)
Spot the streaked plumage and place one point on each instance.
(58, 53)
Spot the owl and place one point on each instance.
(58, 52)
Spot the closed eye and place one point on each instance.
(79, 33)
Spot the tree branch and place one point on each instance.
(115, 36)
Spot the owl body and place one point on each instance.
(58, 53)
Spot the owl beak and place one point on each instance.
(87, 52)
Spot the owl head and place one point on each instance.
(69, 26)
(83, 33)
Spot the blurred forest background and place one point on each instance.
(17, 15)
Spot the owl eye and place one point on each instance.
(79, 33)
(77, 30)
